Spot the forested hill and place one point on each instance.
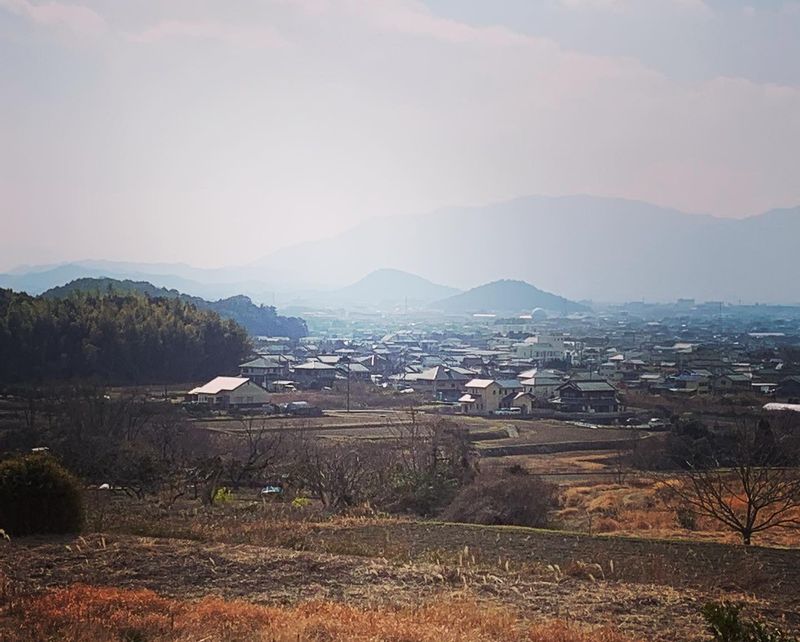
(258, 320)
(114, 338)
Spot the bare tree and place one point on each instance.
(255, 448)
(340, 474)
(751, 482)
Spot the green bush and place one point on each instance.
(726, 624)
(223, 494)
(38, 495)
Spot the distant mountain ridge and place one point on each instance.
(507, 296)
(583, 247)
(257, 320)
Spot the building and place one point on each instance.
(264, 370)
(354, 370)
(525, 401)
(481, 396)
(541, 349)
(230, 392)
(731, 382)
(314, 374)
(540, 383)
(586, 396)
(440, 382)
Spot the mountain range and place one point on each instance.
(601, 249)
(582, 247)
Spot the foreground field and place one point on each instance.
(91, 614)
(270, 572)
(387, 594)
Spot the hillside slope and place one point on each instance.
(258, 320)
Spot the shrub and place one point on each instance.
(686, 518)
(512, 497)
(300, 502)
(38, 495)
(222, 495)
(726, 624)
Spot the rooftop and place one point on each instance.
(219, 384)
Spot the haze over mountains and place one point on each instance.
(580, 247)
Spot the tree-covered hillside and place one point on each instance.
(114, 339)
(258, 320)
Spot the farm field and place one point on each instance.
(488, 432)
(648, 590)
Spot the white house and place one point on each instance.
(225, 392)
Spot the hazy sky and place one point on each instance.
(212, 132)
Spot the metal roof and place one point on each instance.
(219, 384)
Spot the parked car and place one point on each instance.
(508, 411)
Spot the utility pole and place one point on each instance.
(347, 361)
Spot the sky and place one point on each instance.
(213, 132)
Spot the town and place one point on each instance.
(531, 365)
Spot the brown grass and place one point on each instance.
(635, 508)
(101, 614)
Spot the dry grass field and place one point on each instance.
(57, 589)
(634, 508)
(94, 614)
(271, 572)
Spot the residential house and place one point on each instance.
(440, 382)
(510, 388)
(230, 392)
(264, 370)
(525, 401)
(355, 370)
(314, 374)
(541, 384)
(731, 382)
(586, 396)
(481, 396)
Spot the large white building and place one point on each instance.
(541, 348)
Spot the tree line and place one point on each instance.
(113, 338)
(258, 320)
